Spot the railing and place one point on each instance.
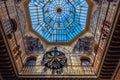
(69, 70)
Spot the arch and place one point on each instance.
(31, 61)
(85, 61)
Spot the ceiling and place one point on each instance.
(58, 22)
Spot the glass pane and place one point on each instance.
(58, 20)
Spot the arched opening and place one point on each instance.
(31, 62)
(85, 62)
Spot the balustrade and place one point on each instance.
(69, 70)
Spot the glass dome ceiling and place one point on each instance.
(58, 20)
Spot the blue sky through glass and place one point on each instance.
(58, 20)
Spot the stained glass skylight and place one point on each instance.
(58, 20)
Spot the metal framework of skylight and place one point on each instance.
(58, 20)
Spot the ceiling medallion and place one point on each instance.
(54, 60)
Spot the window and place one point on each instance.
(58, 20)
(85, 62)
(31, 62)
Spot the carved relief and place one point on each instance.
(83, 45)
(54, 60)
(10, 26)
(33, 44)
(94, 20)
(98, 1)
(22, 19)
